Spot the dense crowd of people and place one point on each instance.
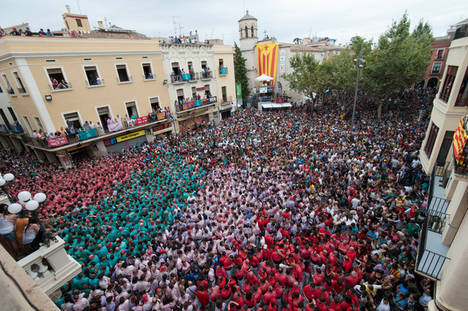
(266, 211)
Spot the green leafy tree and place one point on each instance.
(240, 72)
(399, 60)
(306, 77)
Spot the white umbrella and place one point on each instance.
(263, 77)
(15, 208)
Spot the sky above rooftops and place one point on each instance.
(285, 20)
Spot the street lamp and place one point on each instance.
(359, 65)
(25, 199)
(3, 180)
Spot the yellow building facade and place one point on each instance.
(52, 82)
(114, 88)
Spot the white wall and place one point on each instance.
(183, 55)
(4, 104)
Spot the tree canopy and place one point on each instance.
(398, 60)
(240, 72)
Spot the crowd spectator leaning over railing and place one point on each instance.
(22, 233)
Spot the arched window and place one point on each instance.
(252, 33)
(246, 32)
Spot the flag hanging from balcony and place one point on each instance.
(267, 59)
(460, 139)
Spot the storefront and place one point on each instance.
(119, 143)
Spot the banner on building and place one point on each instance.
(57, 141)
(238, 90)
(267, 59)
(460, 139)
(130, 136)
(142, 120)
(87, 134)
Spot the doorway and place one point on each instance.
(104, 114)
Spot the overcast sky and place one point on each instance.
(285, 19)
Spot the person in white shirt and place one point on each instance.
(384, 305)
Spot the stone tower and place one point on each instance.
(248, 32)
(248, 41)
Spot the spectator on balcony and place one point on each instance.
(35, 134)
(49, 33)
(86, 126)
(7, 230)
(63, 84)
(55, 83)
(118, 119)
(14, 32)
(62, 132)
(99, 128)
(31, 231)
(28, 32)
(42, 33)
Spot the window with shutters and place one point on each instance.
(154, 102)
(448, 83)
(122, 73)
(12, 113)
(92, 76)
(147, 71)
(431, 138)
(57, 79)
(72, 119)
(132, 110)
(462, 97)
(180, 95)
(28, 125)
(8, 85)
(19, 83)
(38, 123)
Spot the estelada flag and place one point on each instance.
(267, 59)
(460, 139)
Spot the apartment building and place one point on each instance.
(54, 82)
(128, 86)
(443, 252)
(200, 79)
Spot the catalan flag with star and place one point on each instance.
(267, 59)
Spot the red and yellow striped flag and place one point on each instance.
(460, 139)
(267, 59)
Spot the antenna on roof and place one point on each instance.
(78, 5)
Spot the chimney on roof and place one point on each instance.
(100, 25)
(68, 8)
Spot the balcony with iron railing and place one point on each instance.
(223, 71)
(178, 79)
(81, 135)
(206, 75)
(194, 104)
(432, 253)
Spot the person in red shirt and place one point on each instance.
(226, 291)
(203, 297)
(269, 297)
(269, 240)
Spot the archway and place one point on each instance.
(432, 83)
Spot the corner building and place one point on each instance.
(443, 251)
